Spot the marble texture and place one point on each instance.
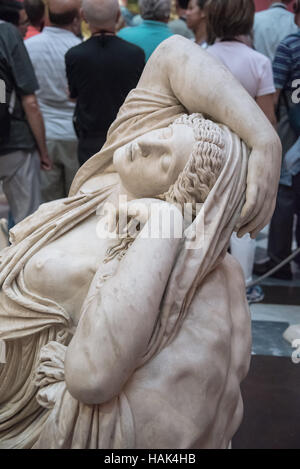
(142, 344)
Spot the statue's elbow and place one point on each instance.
(87, 382)
(89, 388)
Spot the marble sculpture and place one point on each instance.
(141, 342)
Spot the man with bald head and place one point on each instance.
(47, 52)
(101, 71)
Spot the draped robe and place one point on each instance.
(35, 405)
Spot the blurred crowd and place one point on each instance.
(68, 66)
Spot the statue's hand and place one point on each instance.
(137, 213)
(262, 185)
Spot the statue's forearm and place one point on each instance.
(114, 332)
(202, 84)
(180, 69)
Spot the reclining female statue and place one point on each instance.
(141, 342)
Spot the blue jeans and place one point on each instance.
(281, 228)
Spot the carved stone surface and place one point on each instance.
(141, 342)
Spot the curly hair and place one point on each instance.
(198, 177)
(204, 166)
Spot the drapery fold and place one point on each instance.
(29, 322)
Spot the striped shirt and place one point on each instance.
(286, 65)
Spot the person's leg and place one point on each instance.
(69, 155)
(87, 147)
(53, 181)
(281, 228)
(21, 183)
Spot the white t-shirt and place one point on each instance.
(252, 69)
(47, 53)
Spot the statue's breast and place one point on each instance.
(63, 270)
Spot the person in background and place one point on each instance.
(23, 148)
(101, 71)
(271, 26)
(196, 21)
(229, 23)
(35, 10)
(179, 26)
(126, 14)
(13, 12)
(286, 67)
(47, 52)
(154, 27)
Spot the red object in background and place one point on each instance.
(31, 31)
(263, 4)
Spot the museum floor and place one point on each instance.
(271, 391)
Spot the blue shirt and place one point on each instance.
(286, 68)
(148, 35)
(271, 26)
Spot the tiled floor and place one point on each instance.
(280, 308)
(271, 391)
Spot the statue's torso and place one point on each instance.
(64, 269)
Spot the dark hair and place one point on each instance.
(227, 19)
(183, 4)
(296, 6)
(35, 10)
(201, 3)
(63, 19)
(10, 11)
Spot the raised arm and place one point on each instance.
(204, 85)
(114, 331)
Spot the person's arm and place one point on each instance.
(36, 123)
(71, 73)
(266, 104)
(265, 96)
(26, 85)
(282, 66)
(201, 84)
(276, 97)
(120, 317)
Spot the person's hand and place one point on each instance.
(262, 186)
(46, 163)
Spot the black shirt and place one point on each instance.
(101, 72)
(14, 53)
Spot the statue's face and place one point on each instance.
(149, 165)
